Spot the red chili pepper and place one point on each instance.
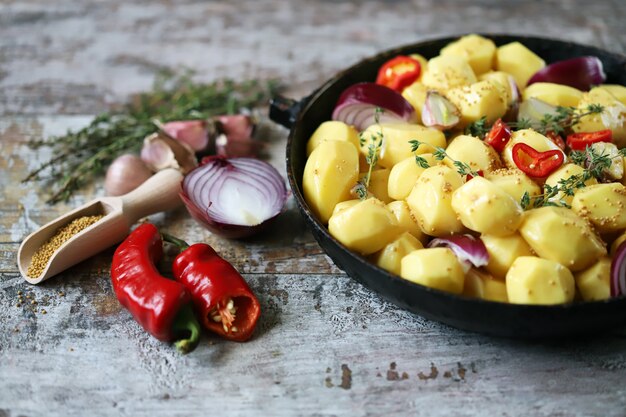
(556, 139)
(534, 163)
(160, 305)
(399, 72)
(579, 141)
(499, 135)
(470, 176)
(222, 297)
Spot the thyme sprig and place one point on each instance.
(440, 154)
(79, 156)
(373, 153)
(594, 165)
(559, 122)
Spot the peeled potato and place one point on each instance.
(474, 152)
(477, 100)
(347, 226)
(378, 184)
(559, 234)
(617, 91)
(333, 130)
(448, 71)
(513, 182)
(416, 95)
(483, 207)
(503, 251)
(434, 267)
(604, 205)
(563, 173)
(431, 201)
(330, 172)
(479, 284)
(594, 283)
(406, 219)
(395, 144)
(502, 79)
(477, 50)
(390, 257)
(404, 175)
(555, 94)
(518, 61)
(533, 280)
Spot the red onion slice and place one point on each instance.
(533, 110)
(469, 250)
(234, 197)
(581, 73)
(439, 112)
(618, 272)
(358, 104)
(514, 103)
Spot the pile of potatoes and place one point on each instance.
(546, 255)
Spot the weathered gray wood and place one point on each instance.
(325, 346)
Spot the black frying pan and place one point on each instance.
(487, 317)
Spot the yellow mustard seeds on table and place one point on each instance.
(44, 253)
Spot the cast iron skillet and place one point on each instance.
(509, 320)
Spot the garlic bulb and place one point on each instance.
(125, 173)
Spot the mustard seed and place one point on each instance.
(42, 256)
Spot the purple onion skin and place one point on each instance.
(617, 266)
(375, 95)
(582, 73)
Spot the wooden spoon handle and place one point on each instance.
(159, 193)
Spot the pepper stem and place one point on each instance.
(181, 244)
(186, 325)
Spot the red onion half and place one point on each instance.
(582, 73)
(618, 272)
(234, 197)
(359, 103)
(469, 250)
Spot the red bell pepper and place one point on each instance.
(580, 141)
(221, 296)
(160, 305)
(399, 72)
(499, 135)
(534, 163)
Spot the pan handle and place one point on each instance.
(284, 110)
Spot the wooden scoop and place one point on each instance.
(158, 193)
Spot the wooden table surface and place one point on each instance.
(325, 345)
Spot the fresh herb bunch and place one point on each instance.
(373, 152)
(595, 166)
(79, 156)
(563, 119)
(440, 154)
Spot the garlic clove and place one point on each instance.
(125, 173)
(235, 137)
(160, 151)
(194, 133)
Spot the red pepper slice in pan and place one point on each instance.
(399, 72)
(534, 163)
(499, 135)
(556, 139)
(160, 305)
(221, 296)
(579, 141)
